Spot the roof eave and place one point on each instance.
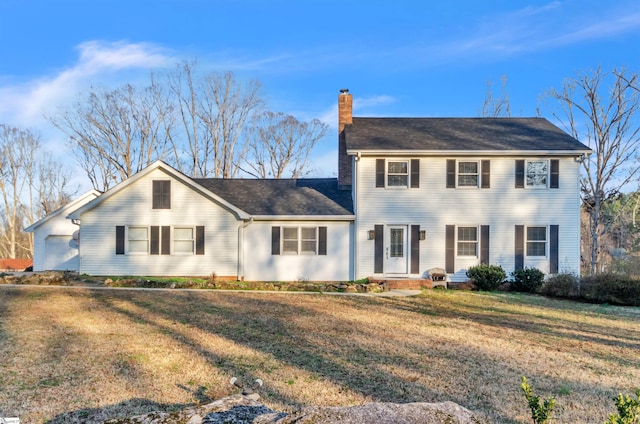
(303, 217)
(386, 152)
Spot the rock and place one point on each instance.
(241, 409)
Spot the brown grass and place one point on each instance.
(81, 355)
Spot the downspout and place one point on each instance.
(356, 223)
(241, 228)
(76, 222)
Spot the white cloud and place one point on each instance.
(26, 103)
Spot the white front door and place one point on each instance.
(395, 249)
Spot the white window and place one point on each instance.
(467, 241)
(183, 240)
(397, 173)
(138, 239)
(536, 241)
(467, 174)
(537, 173)
(300, 240)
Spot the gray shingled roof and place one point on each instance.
(304, 196)
(458, 134)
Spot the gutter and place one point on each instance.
(467, 153)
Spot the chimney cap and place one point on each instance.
(344, 90)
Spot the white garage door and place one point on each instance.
(61, 254)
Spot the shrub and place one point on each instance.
(560, 285)
(527, 280)
(487, 277)
(628, 410)
(540, 411)
(617, 289)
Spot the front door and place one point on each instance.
(396, 249)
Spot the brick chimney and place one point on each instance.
(345, 117)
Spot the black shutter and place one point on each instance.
(322, 240)
(553, 248)
(162, 194)
(415, 249)
(450, 250)
(275, 240)
(485, 181)
(519, 173)
(165, 244)
(451, 173)
(555, 174)
(378, 259)
(519, 250)
(119, 239)
(484, 244)
(200, 240)
(415, 173)
(379, 172)
(154, 248)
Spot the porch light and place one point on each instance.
(423, 235)
(371, 234)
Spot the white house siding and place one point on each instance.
(260, 264)
(132, 206)
(502, 207)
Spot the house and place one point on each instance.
(412, 194)
(55, 238)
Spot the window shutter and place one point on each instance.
(415, 249)
(485, 181)
(450, 250)
(200, 240)
(554, 182)
(415, 173)
(519, 251)
(154, 248)
(451, 173)
(379, 172)
(322, 240)
(378, 259)
(275, 240)
(161, 194)
(519, 173)
(165, 244)
(484, 244)
(119, 239)
(553, 248)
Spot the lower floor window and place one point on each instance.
(536, 241)
(467, 241)
(299, 240)
(138, 240)
(183, 240)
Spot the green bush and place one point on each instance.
(527, 280)
(628, 410)
(560, 285)
(486, 277)
(617, 289)
(541, 411)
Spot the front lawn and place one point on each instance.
(77, 354)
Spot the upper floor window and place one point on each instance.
(397, 173)
(467, 174)
(536, 241)
(537, 173)
(161, 194)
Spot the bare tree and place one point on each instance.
(601, 109)
(279, 144)
(116, 133)
(227, 105)
(31, 185)
(496, 107)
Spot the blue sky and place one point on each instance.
(398, 58)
